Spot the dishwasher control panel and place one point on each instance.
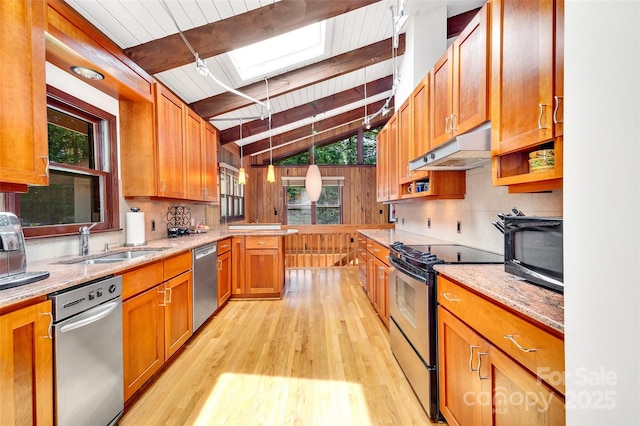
(67, 303)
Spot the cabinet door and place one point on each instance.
(262, 276)
(558, 80)
(461, 399)
(421, 134)
(194, 153)
(210, 171)
(23, 117)
(470, 75)
(382, 164)
(143, 338)
(440, 105)
(224, 277)
(178, 312)
(517, 396)
(170, 134)
(522, 57)
(381, 284)
(405, 138)
(392, 159)
(26, 369)
(238, 268)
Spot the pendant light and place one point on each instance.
(242, 175)
(271, 174)
(313, 179)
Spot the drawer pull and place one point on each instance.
(522, 348)
(224, 246)
(49, 335)
(471, 348)
(480, 364)
(261, 243)
(449, 298)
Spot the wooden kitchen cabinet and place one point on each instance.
(362, 260)
(156, 317)
(224, 271)
(527, 91)
(495, 367)
(194, 155)
(26, 366)
(382, 165)
(377, 283)
(441, 185)
(210, 162)
(421, 134)
(387, 157)
(24, 149)
(405, 138)
(171, 151)
(459, 95)
(258, 266)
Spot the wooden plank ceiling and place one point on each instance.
(328, 91)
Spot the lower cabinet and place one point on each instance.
(258, 266)
(224, 271)
(26, 366)
(482, 380)
(377, 278)
(156, 316)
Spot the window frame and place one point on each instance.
(337, 181)
(108, 173)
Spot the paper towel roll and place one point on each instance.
(134, 229)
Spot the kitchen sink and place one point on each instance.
(110, 257)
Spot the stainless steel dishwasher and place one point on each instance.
(87, 336)
(205, 283)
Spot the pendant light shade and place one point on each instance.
(242, 176)
(313, 182)
(271, 174)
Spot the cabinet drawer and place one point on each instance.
(224, 246)
(379, 251)
(177, 265)
(261, 242)
(141, 279)
(539, 351)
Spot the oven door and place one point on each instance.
(412, 308)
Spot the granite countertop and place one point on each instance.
(543, 306)
(63, 274)
(539, 304)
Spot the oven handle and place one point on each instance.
(100, 312)
(404, 271)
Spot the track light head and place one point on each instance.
(201, 67)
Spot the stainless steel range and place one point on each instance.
(412, 304)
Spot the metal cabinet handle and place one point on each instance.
(471, 348)
(224, 246)
(453, 120)
(164, 297)
(522, 348)
(541, 106)
(163, 185)
(449, 298)
(555, 109)
(480, 366)
(170, 290)
(219, 265)
(50, 328)
(261, 243)
(446, 125)
(46, 166)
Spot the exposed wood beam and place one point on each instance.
(300, 78)
(456, 24)
(307, 110)
(238, 31)
(320, 126)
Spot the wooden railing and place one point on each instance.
(324, 245)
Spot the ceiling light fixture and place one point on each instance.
(87, 73)
(242, 174)
(203, 69)
(271, 174)
(313, 179)
(367, 122)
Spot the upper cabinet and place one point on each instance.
(405, 138)
(459, 96)
(167, 150)
(23, 117)
(527, 98)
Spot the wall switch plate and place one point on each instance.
(153, 225)
(459, 227)
(428, 222)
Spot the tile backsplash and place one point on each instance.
(475, 213)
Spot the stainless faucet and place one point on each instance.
(84, 239)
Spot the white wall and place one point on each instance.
(479, 208)
(602, 201)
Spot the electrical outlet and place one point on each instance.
(459, 227)
(153, 225)
(403, 220)
(428, 222)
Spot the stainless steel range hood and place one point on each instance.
(464, 152)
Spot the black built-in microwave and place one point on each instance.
(533, 250)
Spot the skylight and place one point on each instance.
(283, 51)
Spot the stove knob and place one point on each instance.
(112, 288)
(92, 295)
(99, 292)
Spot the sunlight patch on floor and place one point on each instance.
(245, 399)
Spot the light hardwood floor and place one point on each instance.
(319, 356)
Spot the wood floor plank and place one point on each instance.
(319, 356)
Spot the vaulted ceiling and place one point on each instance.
(326, 92)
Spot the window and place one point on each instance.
(231, 194)
(82, 189)
(327, 210)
